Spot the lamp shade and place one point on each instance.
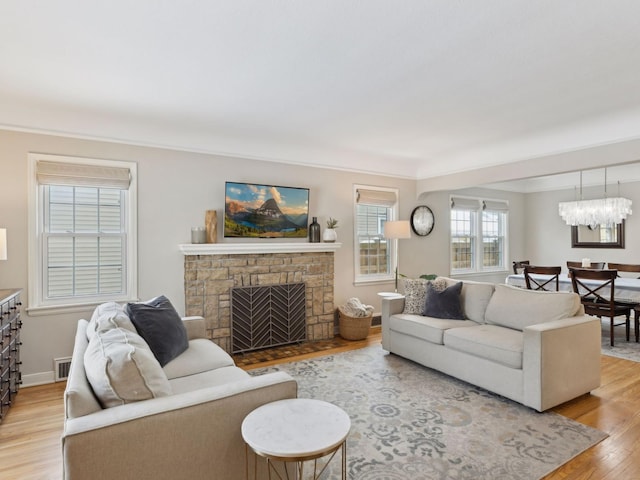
(3, 243)
(397, 229)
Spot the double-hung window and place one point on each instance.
(375, 258)
(82, 232)
(478, 235)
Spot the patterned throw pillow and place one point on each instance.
(415, 293)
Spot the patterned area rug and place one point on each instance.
(622, 349)
(409, 422)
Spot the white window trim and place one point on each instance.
(478, 269)
(36, 304)
(393, 244)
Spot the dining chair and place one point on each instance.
(629, 268)
(518, 266)
(624, 267)
(552, 275)
(596, 289)
(594, 265)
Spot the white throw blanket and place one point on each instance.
(355, 308)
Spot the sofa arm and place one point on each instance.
(194, 435)
(390, 306)
(561, 360)
(195, 326)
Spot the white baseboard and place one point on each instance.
(34, 379)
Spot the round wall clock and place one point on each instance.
(422, 220)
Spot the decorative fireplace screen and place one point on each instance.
(266, 316)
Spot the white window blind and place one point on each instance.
(376, 197)
(84, 240)
(462, 203)
(495, 206)
(59, 173)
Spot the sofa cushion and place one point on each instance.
(518, 308)
(474, 298)
(202, 355)
(415, 293)
(498, 344)
(160, 325)
(444, 304)
(426, 328)
(107, 316)
(210, 378)
(122, 369)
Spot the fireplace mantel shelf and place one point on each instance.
(254, 248)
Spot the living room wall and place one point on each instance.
(175, 189)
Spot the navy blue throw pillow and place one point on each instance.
(161, 327)
(445, 304)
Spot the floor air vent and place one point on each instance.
(61, 368)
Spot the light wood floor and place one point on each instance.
(30, 435)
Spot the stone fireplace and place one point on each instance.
(211, 270)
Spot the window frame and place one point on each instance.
(370, 279)
(37, 303)
(478, 235)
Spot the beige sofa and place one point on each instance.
(193, 432)
(536, 348)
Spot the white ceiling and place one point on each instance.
(414, 88)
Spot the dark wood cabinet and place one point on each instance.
(10, 324)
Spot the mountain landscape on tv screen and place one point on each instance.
(264, 221)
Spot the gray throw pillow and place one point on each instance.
(160, 326)
(444, 304)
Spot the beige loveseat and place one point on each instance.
(191, 431)
(537, 348)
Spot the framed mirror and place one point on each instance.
(600, 236)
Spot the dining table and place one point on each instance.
(626, 289)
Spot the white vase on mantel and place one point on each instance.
(329, 235)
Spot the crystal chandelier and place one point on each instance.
(601, 211)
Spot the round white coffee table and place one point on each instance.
(297, 430)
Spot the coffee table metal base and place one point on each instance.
(299, 464)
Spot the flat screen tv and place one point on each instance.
(265, 211)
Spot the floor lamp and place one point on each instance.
(397, 230)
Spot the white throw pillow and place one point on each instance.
(122, 369)
(107, 316)
(474, 297)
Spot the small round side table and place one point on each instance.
(297, 430)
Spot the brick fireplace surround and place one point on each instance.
(211, 270)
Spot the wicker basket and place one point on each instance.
(354, 328)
